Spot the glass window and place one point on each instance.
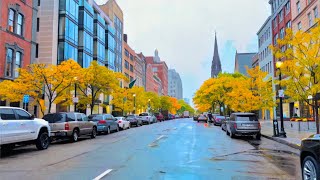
(281, 16)
(298, 7)
(101, 51)
(71, 117)
(71, 33)
(7, 114)
(275, 39)
(131, 68)
(247, 118)
(87, 59)
(131, 57)
(315, 11)
(79, 118)
(19, 24)
(11, 20)
(72, 9)
(126, 52)
(88, 42)
(299, 25)
(84, 117)
(70, 52)
(126, 64)
(88, 22)
(22, 115)
(9, 62)
(288, 25)
(310, 19)
(100, 33)
(287, 7)
(17, 63)
(111, 60)
(55, 118)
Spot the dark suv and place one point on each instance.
(310, 157)
(243, 124)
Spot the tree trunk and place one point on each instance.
(50, 104)
(220, 106)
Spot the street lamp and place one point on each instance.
(75, 100)
(134, 102)
(149, 105)
(281, 95)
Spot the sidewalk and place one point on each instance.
(294, 136)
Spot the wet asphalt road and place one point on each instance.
(172, 150)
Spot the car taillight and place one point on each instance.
(119, 121)
(235, 125)
(218, 119)
(66, 126)
(102, 122)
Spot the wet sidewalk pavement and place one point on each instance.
(293, 139)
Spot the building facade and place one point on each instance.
(304, 14)
(128, 62)
(255, 61)
(144, 69)
(78, 30)
(139, 71)
(18, 39)
(159, 68)
(242, 62)
(175, 84)
(114, 12)
(216, 63)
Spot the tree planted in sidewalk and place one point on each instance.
(95, 81)
(300, 54)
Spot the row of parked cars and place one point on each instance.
(18, 126)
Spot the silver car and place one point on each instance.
(243, 124)
(70, 125)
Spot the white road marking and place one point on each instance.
(160, 137)
(103, 174)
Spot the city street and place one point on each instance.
(177, 149)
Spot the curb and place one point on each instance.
(296, 146)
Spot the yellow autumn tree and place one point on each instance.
(54, 81)
(154, 102)
(300, 55)
(175, 105)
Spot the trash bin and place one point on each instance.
(275, 128)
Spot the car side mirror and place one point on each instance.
(32, 116)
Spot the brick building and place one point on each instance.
(304, 14)
(159, 68)
(128, 62)
(17, 38)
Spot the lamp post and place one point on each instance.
(75, 100)
(281, 95)
(149, 105)
(134, 103)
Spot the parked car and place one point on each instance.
(223, 123)
(17, 126)
(123, 123)
(202, 118)
(159, 116)
(177, 116)
(135, 120)
(171, 116)
(165, 114)
(147, 118)
(106, 123)
(70, 125)
(195, 117)
(243, 124)
(310, 157)
(217, 120)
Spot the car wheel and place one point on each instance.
(310, 168)
(43, 140)
(123, 127)
(198, 121)
(75, 136)
(129, 126)
(227, 132)
(108, 131)
(231, 135)
(94, 133)
(258, 136)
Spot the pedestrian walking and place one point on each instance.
(210, 117)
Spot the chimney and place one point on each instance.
(125, 38)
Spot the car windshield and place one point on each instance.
(246, 118)
(55, 118)
(220, 117)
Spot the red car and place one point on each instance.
(159, 116)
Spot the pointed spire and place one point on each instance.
(216, 64)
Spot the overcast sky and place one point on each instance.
(183, 32)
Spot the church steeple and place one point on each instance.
(216, 64)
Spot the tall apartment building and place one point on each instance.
(139, 71)
(128, 61)
(175, 84)
(78, 30)
(281, 20)
(265, 57)
(159, 68)
(113, 10)
(242, 62)
(144, 69)
(304, 14)
(18, 46)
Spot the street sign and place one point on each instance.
(26, 98)
(281, 93)
(75, 99)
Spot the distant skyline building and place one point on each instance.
(242, 62)
(216, 63)
(175, 84)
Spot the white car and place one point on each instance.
(17, 126)
(148, 118)
(123, 123)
